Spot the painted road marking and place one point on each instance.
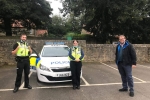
(109, 66)
(21, 87)
(143, 66)
(104, 84)
(117, 69)
(86, 83)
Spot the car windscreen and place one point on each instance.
(55, 52)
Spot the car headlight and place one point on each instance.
(44, 68)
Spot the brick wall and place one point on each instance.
(93, 52)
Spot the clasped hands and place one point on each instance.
(77, 60)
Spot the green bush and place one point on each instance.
(76, 36)
(51, 35)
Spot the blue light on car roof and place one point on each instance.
(54, 43)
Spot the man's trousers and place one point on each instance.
(22, 65)
(126, 76)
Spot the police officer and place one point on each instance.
(22, 52)
(76, 56)
(125, 60)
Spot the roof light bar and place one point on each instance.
(54, 43)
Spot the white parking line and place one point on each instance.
(143, 66)
(107, 84)
(3, 90)
(23, 82)
(109, 66)
(117, 69)
(86, 83)
(139, 79)
(104, 84)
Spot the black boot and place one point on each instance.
(78, 87)
(131, 94)
(123, 90)
(29, 87)
(15, 89)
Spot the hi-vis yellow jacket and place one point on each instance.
(23, 50)
(76, 53)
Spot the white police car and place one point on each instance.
(53, 64)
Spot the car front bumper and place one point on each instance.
(53, 77)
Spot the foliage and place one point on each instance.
(108, 18)
(31, 13)
(70, 34)
(57, 27)
(60, 26)
(77, 36)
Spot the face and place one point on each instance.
(23, 37)
(75, 43)
(122, 39)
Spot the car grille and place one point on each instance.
(61, 70)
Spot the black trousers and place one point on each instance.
(23, 64)
(76, 72)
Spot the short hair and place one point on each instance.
(75, 40)
(23, 34)
(121, 36)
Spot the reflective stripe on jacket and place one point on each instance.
(23, 50)
(76, 53)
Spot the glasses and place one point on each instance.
(122, 39)
(75, 43)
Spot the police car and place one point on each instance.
(53, 64)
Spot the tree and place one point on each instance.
(61, 26)
(74, 23)
(31, 12)
(108, 18)
(57, 27)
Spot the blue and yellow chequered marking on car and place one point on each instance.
(33, 61)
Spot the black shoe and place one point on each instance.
(123, 90)
(131, 94)
(74, 87)
(29, 87)
(15, 89)
(78, 87)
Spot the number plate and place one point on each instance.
(63, 75)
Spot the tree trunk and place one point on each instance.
(7, 22)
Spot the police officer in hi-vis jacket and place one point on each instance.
(22, 52)
(76, 56)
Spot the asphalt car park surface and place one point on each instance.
(100, 81)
